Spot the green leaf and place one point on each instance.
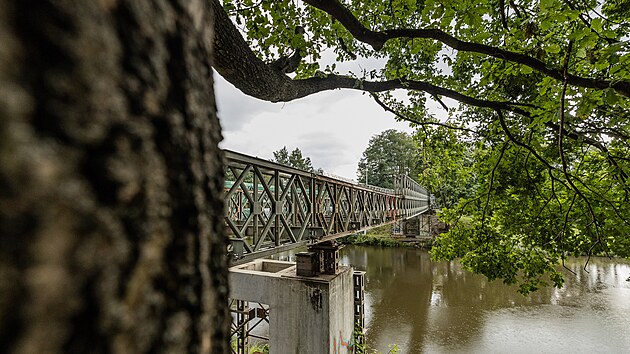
(596, 24)
(553, 48)
(546, 24)
(576, 36)
(546, 4)
(610, 96)
(572, 15)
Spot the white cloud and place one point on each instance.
(332, 128)
(235, 108)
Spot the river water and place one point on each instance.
(436, 307)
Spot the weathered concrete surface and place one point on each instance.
(307, 314)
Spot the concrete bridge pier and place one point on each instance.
(313, 314)
(420, 226)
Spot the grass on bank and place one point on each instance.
(257, 348)
(380, 236)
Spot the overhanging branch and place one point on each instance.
(238, 64)
(407, 119)
(378, 39)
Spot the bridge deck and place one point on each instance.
(272, 208)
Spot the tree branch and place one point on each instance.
(483, 215)
(588, 23)
(378, 39)
(439, 100)
(502, 13)
(407, 119)
(560, 137)
(242, 9)
(507, 132)
(238, 64)
(515, 8)
(563, 231)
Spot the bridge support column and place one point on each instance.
(398, 228)
(412, 227)
(307, 314)
(358, 279)
(242, 310)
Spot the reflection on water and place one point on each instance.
(436, 307)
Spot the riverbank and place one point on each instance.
(382, 237)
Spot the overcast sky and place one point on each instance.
(332, 128)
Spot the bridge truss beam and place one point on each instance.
(270, 207)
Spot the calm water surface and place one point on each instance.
(436, 307)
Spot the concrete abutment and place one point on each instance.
(306, 314)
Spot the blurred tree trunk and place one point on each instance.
(110, 179)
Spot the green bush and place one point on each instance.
(370, 240)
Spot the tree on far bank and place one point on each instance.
(294, 159)
(387, 155)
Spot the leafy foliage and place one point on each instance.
(294, 159)
(446, 166)
(387, 155)
(374, 240)
(538, 136)
(527, 217)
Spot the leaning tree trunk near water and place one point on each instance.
(110, 179)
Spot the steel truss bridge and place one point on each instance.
(271, 208)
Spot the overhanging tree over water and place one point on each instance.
(541, 88)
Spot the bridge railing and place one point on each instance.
(270, 207)
(412, 199)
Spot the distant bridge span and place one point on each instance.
(271, 208)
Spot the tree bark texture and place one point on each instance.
(110, 179)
